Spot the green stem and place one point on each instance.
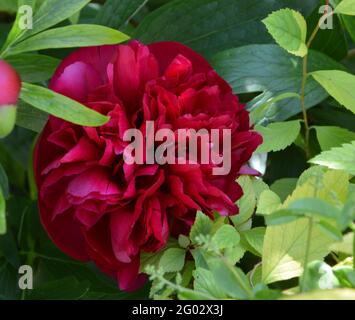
(306, 257)
(303, 85)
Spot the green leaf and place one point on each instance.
(61, 106)
(210, 26)
(206, 283)
(271, 70)
(4, 182)
(2, 213)
(283, 216)
(315, 207)
(255, 239)
(173, 260)
(63, 289)
(203, 225)
(255, 115)
(115, 14)
(345, 275)
(289, 29)
(339, 84)
(184, 241)
(51, 12)
(330, 230)
(346, 7)
(34, 67)
(319, 275)
(342, 158)
(335, 294)
(247, 202)
(284, 249)
(9, 6)
(231, 279)
(277, 136)
(268, 202)
(73, 36)
(348, 21)
(284, 245)
(16, 29)
(30, 118)
(330, 137)
(331, 42)
(284, 187)
(226, 237)
(346, 246)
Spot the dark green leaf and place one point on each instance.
(115, 14)
(272, 71)
(34, 67)
(210, 26)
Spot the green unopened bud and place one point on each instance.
(7, 119)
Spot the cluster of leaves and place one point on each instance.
(294, 235)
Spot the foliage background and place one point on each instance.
(308, 212)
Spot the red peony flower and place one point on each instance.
(10, 86)
(97, 207)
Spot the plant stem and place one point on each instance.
(306, 257)
(304, 82)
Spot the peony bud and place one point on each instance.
(10, 86)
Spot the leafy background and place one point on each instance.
(294, 235)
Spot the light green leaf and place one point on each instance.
(81, 35)
(203, 225)
(268, 202)
(34, 67)
(172, 260)
(339, 84)
(271, 70)
(2, 213)
(206, 283)
(247, 202)
(277, 136)
(346, 246)
(346, 7)
(61, 106)
(284, 245)
(226, 237)
(230, 279)
(335, 294)
(284, 249)
(255, 239)
(184, 241)
(289, 29)
(342, 158)
(330, 137)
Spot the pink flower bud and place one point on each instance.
(10, 84)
